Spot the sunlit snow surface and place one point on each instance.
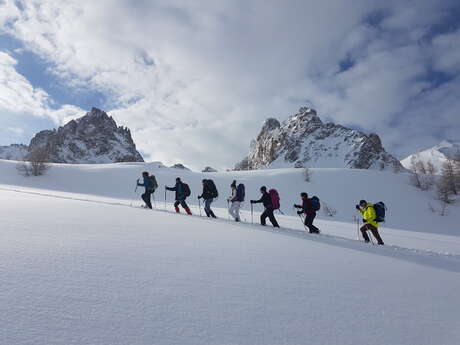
(97, 271)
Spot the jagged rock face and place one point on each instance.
(15, 152)
(209, 169)
(305, 141)
(93, 138)
(179, 166)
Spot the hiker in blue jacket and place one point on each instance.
(149, 186)
(181, 194)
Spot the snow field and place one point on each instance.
(89, 273)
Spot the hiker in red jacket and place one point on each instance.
(310, 212)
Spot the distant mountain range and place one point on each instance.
(437, 154)
(303, 140)
(93, 138)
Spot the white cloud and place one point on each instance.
(195, 80)
(17, 95)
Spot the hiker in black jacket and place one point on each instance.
(208, 197)
(266, 200)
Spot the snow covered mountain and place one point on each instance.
(437, 154)
(303, 140)
(15, 152)
(93, 138)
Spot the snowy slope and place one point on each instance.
(76, 272)
(437, 154)
(339, 188)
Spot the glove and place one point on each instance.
(299, 212)
(199, 196)
(357, 207)
(295, 206)
(364, 221)
(252, 201)
(137, 180)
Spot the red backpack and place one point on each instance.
(275, 198)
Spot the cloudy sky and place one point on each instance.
(194, 80)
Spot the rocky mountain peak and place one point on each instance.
(304, 140)
(93, 138)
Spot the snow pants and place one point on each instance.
(207, 208)
(268, 213)
(183, 204)
(234, 210)
(374, 231)
(147, 198)
(309, 218)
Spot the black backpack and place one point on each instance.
(240, 193)
(154, 182)
(187, 190)
(213, 189)
(380, 209)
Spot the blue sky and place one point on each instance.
(195, 80)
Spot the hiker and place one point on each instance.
(150, 184)
(310, 212)
(182, 192)
(369, 219)
(208, 195)
(236, 199)
(267, 202)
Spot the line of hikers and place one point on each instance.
(372, 214)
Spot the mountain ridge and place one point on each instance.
(303, 140)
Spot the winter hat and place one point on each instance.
(263, 189)
(304, 195)
(233, 184)
(363, 203)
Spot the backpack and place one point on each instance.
(154, 182)
(187, 190)
(380, 209)
(315, 203)
(213, 189)
(240, 193)
(274, 196)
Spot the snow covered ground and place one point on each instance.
(78, 265)
(76, 272)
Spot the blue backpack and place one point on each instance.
(240, 193)
(315, 204)
(380, 209)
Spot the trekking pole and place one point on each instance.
(301, 219)
(357, 222)
(252, 214)
(228, 210)
(165, 198)
(132, 200)
(199, 205)
(154, 201)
